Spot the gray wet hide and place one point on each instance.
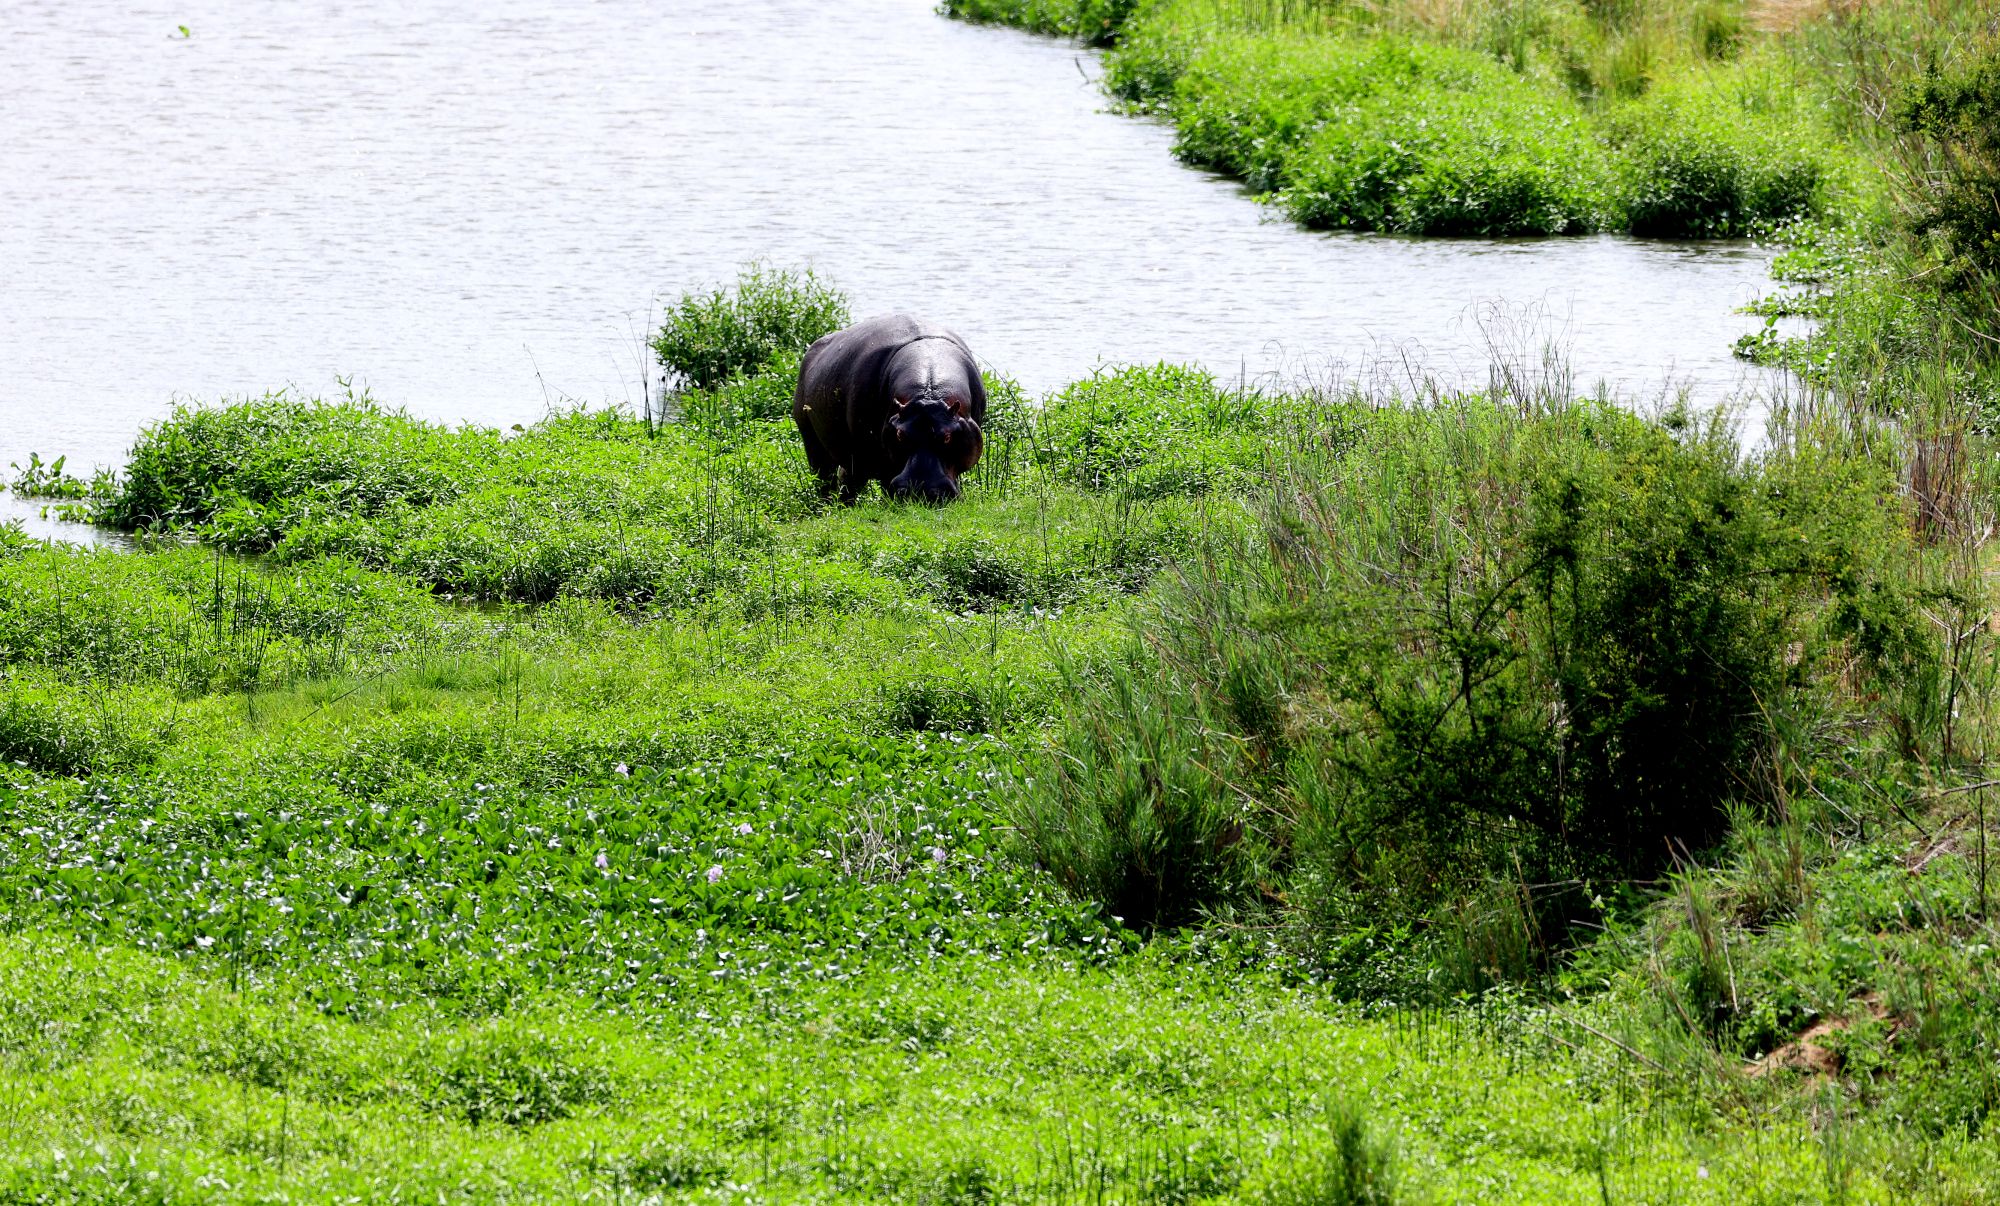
(895, 400)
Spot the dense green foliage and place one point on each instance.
(1095, 22)
(1502, 119)
(1698, 163)
(1234, 797)
(1957, 119)
(708, 340)
(1026, 1082)
(1479, 644)
(383, 869)
(717, 511)
(1388, 135)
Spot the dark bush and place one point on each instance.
(1479, 644)
(515, 1074)
(927, 705)
(1954, 120)
(1124, 809)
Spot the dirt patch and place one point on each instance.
(1808, 1053)
(1784, 16)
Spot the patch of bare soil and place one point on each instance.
(1808, 1054)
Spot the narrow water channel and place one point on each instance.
(469, 207)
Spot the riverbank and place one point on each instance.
(1857, 135)
(1662, 119)
(1121, 832)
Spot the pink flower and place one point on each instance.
(622, 769)
(937, 854)
(715, 875)
(743, 830)
(604, 862)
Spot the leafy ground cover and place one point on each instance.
(1235, 797)
(139, 1078)
(321, 879)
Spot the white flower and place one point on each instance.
(204, 942)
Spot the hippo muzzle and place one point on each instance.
(925, 478)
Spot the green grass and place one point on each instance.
(140, 1078)
(708, 511)
(587, 812)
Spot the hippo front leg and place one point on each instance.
(825, 467)
(852, 483)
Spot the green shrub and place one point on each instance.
(264, 461)
(1093, 22)
(663, 1165)
(927, 706)
(1428, 160)
(737, 406)
(1955, 119)
(1719, 28)
(54, 732)
(1143, 68)
(1703, 164)
(1125, 811)
(1159, 431)
(1477, 638)
(1389, 135)
(184, 617)
(52, 480)
(1338, 1162)
(1632, 64)
(710, 339)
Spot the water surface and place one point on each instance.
(469, 207)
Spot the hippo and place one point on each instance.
(896, 400)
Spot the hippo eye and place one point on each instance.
(946, 437)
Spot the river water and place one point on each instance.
(470, 208)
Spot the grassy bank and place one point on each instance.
(1860, 135)
(1668, 119)
(1297, 797)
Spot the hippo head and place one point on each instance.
(932, 435)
